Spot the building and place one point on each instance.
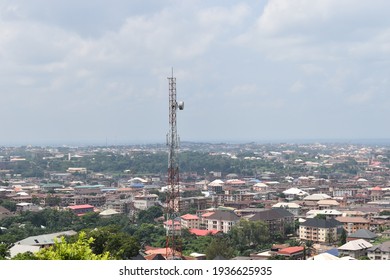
(35, 243)
(320, 230)
(293, 208)
(352, 224)
(189, 203)
(80, 210)
(143, 202)
(26, 206)
(77, 170)
(221, 220)
(356, 248)
(327, 204)
(123, 206)
(379, 252)
(94, 200)
(328, 214)
(190, 221)
(172, 225)
(362, 234)
(292, 253)
(279, 220)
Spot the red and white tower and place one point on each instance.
(173, 249)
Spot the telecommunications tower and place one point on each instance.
(173, 250)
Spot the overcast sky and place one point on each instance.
(95, 72)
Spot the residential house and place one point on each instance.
(80, 210)
(26, 206)
(362, 234)
(190, 221)
(294, 193)
(195, 202)
(123, 206)
(317, 197)
(379, 252)
(356, 248)
(94, 200)
(221, 220)
(293, 208)
(376, 194)
(328, 214)
(327, 204)
(292, 253)
(77, 170)
(320, 230)
(35, 243)
(173, 226)
(279, 220)
(352, 224)
(143, 202)
(386, 234)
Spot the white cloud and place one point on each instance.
(297, 86)
(108, 65)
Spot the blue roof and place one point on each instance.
(109, 190)
(137, 185)
(334, 252)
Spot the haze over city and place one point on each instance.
(95, 72)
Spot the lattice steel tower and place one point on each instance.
(173, 248)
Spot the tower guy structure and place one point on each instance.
(173, 248)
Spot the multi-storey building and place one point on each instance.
(320, 230)
(352, 224)
(279, 220)
(95, 200)
(221, 220)
(143, 202)
(190, 221)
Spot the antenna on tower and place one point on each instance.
(173, 231)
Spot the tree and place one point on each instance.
(25, 256)
(219, 246)
(249, 235)
(149, 233)
(4, 251)
(120, 245)
(90, 219)
(53, 200)
(309, 247)
(11, 206)
(79, 250)
(149, 215)
(343, 237)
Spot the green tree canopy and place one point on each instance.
(220, 246)
(79, 250)
(149, 215)
(249, 235)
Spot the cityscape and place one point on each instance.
(249, 201)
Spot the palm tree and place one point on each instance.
(309, 247)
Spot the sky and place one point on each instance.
(95, 72)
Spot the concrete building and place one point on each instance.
(320, 230)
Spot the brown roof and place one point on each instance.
(352, 220)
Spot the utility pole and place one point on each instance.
(173, 250)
